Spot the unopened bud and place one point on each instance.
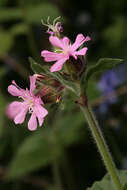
(49, 95)
(76, 67)
(49, 89)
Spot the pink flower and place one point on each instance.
(65, 50)
(30, 103)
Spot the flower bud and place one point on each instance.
(49, 94)
(75, 67)
(49, 89)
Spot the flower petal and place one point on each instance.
(32, 123)
(80, 39)
(56, 42)
(13, 109)
(87, 38)
(32, 84)
(38, 100)
(20, 117)
(81, 51)
(41, 112)
(66, 41)
(50, 56)
(14, 91)
(78, 42)
(58, 65)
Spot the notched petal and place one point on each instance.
(32, 124)
(14, 91)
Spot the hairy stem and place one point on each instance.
(101, 144)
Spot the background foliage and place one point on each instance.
(61, 154)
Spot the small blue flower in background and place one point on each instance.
(108, 83)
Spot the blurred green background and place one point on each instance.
(61, 154)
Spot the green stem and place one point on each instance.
(101, 144)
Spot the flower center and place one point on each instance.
(66, 51)
(29, 101)
(31, 104)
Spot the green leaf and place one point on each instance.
(37, 68)
(106, 182)
(102, 65)
(92, 91)
(38, 150)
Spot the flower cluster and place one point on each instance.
(32, 102)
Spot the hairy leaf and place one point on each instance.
(37, 68)
(102, 65)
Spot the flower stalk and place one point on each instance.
(101, 144)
